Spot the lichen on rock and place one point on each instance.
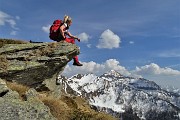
(32, 63)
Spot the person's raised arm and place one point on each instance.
(72, 36)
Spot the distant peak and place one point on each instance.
(113, 72)
(78, 76)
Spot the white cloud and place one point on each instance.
(89, 45)
(17, 17)
(170, 53)
(162, 76)
(174, 66)
(84, 37)
(154, 69)
(131, 42)
(12, 23)
(5, 18)
(13, 33)
(95, 68)
(46, 28)
(109, 40)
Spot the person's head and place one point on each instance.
(67, 20)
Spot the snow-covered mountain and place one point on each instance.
(125, 97)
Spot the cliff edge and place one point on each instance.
(33, 63)
(28, 90)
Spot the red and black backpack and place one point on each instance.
(54, 30)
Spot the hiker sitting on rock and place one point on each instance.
(64, 32)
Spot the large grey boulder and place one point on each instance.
(13, 108)
(33, 63)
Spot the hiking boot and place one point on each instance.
(77, 64)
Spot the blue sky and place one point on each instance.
(134, 37)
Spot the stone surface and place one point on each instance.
(13, 108)
(32, 63)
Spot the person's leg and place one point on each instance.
(76, 61)
(70, 40)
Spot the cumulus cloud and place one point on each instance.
(109, 40)
(46, 28)
(96, 68)
(162, 76)
(84, 37)
(112, 64)
(154, 69)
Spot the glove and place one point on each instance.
(78, 39)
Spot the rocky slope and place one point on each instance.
(125, 97)
(28, 90)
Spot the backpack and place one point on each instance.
(54, 30)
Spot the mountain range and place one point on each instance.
(124, 97)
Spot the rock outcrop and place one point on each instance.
(28, 89)
(33, 63)
(13, 108)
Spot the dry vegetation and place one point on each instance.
(11, 41)
(21, 89)
(58, 108)
(73, 108)
(66, 107)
